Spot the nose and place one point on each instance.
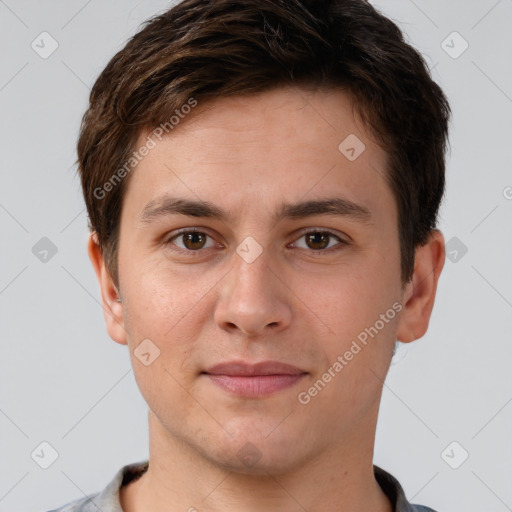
(254, 299)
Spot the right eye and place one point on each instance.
(192, 240)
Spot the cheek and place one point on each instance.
(361, 310)
(161, 342)
(353, 300)
(166, 393)
(163, 317)
(161, 298)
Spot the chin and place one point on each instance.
(263, 452)
(251, 460)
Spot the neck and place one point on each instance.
(181, 479)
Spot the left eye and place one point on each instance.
(319, 240)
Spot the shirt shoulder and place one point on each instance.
(80, 505)
(108, 499)
(394, 491)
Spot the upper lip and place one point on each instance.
(242, 368)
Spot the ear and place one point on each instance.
(420, 292)
(112, 309)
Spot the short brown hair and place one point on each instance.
(209, 49)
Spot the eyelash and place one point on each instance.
(316, 252)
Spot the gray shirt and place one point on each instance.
(108, 499)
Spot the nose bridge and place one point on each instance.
(252, 298)
(251, 269)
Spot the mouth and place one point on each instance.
(254, 380)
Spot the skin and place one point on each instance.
(293, 304)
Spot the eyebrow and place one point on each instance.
(166, 205)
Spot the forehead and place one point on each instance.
(282, 143)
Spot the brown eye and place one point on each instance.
(194, 241)
(190, 241)
(318, 240)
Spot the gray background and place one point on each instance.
(65, 382)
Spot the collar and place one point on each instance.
(108, 499)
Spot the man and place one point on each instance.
(262, 180)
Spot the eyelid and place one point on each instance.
(329, 231)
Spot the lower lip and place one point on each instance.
(257, 385)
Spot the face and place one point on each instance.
(259, 266)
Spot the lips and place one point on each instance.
(254, 380)
(238, 368)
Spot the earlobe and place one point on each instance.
(419, 294)
(112, 307)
